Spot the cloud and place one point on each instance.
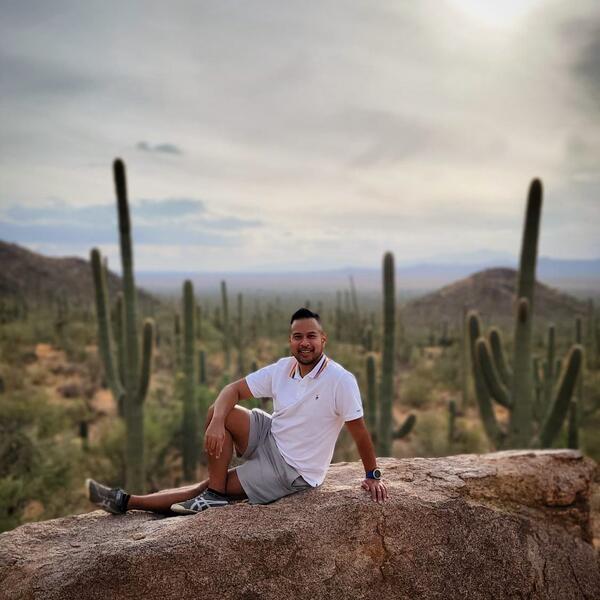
(158, 148)
(158, 222)
(390, 125)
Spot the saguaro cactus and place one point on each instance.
(226, 329)
(386, 395)
(240, 341)
(190, 411)
(131, 387)
(515, 389)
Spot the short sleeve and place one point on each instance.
(347, 398)
(261, 382)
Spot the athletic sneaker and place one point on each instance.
(207, 499)
(111, 500)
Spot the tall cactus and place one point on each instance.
(240, 335)
(386, 395)
(515, 389)
(131, 387)
(190, 411)
(225, 328)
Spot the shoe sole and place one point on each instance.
(181, 510)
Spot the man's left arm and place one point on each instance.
(362, 439)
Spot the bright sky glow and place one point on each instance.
(502, 14)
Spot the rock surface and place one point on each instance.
(512, 524)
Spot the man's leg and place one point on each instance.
(220, 478)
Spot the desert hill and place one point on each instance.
(42, 279)
(492, 293)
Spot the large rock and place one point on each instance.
(505, 525)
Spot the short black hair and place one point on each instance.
(304, 313)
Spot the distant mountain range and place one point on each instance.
(26, 273)
(581, 277)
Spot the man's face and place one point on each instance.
(307, 341)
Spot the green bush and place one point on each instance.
(430, 435)
(417, 389)
(38, 457)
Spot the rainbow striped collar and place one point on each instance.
(315, 372)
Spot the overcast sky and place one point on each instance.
(300, 135)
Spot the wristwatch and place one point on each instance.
(374, 474)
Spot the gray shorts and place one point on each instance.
(265, 476)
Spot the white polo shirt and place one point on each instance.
(308, 412)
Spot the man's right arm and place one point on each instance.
(229, 396)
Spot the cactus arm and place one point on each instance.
(496, 388)
(496, 345)
(147, 340)
(406, 427)
(528, 260)
(486, 411)
(104, 336)
(560, 405)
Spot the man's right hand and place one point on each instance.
(214, 437)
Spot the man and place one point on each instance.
(286, 452)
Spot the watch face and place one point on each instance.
(376, 474)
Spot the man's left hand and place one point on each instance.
(377, 489)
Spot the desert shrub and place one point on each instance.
(37, 459)
(428, 438)
(106, 457)
(470, 439)
(417, 389)
(446, 370)
(162, 423)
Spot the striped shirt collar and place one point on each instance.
(315, 372)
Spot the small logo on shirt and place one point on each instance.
(317, 397)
